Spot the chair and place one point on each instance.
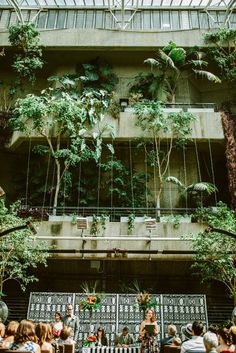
(61, 348)
(172, 349)
(69, 348)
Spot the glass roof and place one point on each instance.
(223, 4)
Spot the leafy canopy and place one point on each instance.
(20, 252)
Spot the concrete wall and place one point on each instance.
(206, 126)
(64, 236)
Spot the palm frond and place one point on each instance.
(203, 186)
(174, 180)
(208, 75)
(152, 62)
(198, 63)
(166, 59)
(89, 288)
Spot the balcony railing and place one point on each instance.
(114, 213)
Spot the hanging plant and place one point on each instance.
(131, 218)
(95, 225)
(25, 38)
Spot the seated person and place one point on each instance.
(9, 334)
(196, 342)
(65, 336)
(124, 339)
(176, 342)
(101, 337)
(171, 332)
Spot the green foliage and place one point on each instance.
(222, 51)
(166, 70)
(197, 192)
(60, 113)
(131, 218)
(98, 74)
(98, 224)
(128, 188)
(215, 257)
(20, 253)
(175, 126)
(25, 38)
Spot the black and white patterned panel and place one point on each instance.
(104, 316)
(42, 306)
(131, 316)
(182, 309)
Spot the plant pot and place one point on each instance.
(3, 311)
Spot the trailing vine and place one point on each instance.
(25, 38)
(131, 218)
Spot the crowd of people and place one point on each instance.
(45, 337)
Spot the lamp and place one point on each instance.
(124, 102)
(82, 223)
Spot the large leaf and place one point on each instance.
(166, 59)
(174, 180)
(152, 62)
(208, 75)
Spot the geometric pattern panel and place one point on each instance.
(118, 310)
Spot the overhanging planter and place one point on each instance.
(3, 311)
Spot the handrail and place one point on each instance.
(114, 213)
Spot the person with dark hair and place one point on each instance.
(195, 343)
(57, 325)
(124, 339)
(101, 337)
(225, 341)
(65, 336)
(214, 328)
(25, 338)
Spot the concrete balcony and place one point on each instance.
(162, 243)
(206, 126)
(94, 39)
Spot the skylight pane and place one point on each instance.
(60, 2)
(204, 2)
(166, 2)
(51, 2)
(69, 2)
(42, 2)
(147, 2)
(176, 2)
(99, 2)
(156, 2)
(89, 2)
(32, 2)
(79, 2)
(3, 2)
(185, 3)
(196, 2)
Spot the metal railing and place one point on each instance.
(114, 213)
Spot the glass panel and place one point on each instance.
(60, 2)
(69, 2)
(42, 19)
(156, 20)
(221, 17)
(108, 20)
(80, 19)
(166, 20)
(194, 20)
(137, 21)
(51, 22)
(4, 18)
(203, 20)
(80, 2)
(50, 2)
(166, 2)
(175, 20)
(89, 19)
(42, 2)
(61, 19)
(70, 19)
(33, 13)
(13, 18)
(99, 19)
(146, 19)
(156, 2)
(3, 2)
(213, 21)
(176, 2)
(32, 2)
(89, 2)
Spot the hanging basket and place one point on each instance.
(3, 311)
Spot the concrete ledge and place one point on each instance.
(164, 242)
(206, 126)
(94, 39)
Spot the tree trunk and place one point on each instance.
(55, 201)
(229, 128)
